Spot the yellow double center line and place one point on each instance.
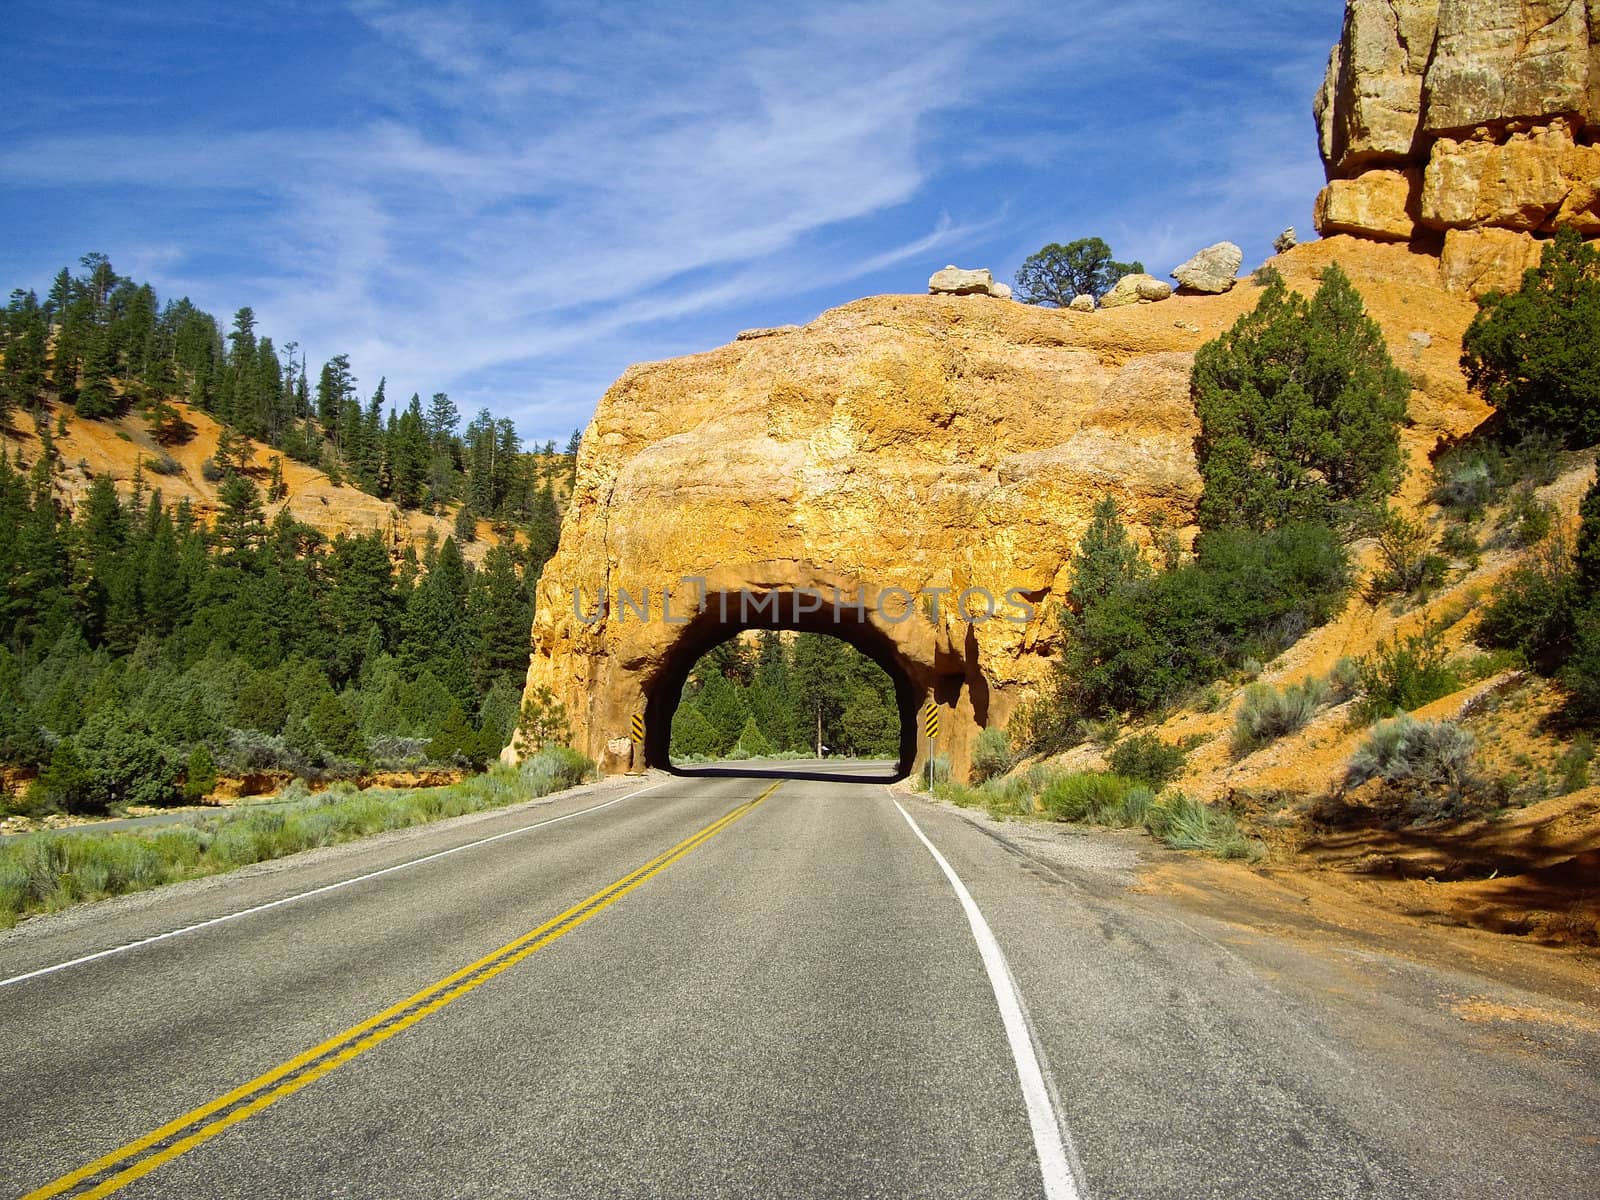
(138, 1158)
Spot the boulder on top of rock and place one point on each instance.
(1285, 241)
(954, 281)
(1082, 303)
(1134, 289)
(1212, 271)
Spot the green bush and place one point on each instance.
(1528, 519)
(1089, 796)
(1467, 479)
(1269, 713)
(1186, 824)
(992, 755)
(1147, 759)
(1409, 563)
(1574, 764)
(1404, 674)
(1532, 607)
(199, 775)
(1246, 595)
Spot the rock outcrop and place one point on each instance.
(911, 443)
(954, 281)
(1447, 115)
(1211, 271)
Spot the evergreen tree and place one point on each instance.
(1106, 557)
(1534, 354)
(1299, 406)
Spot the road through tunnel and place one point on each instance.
(724, 616)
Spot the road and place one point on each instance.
(738, 985)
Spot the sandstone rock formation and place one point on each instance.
(1082, 303)
(954, 281)
(1379, 204)
(913, 443)
(1212, 271)
(1441, 115)
(1134, 289)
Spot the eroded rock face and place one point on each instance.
(1496, 61)
(1370, 107)
(1476, 262)
(1493, 104)
(1378, 204)
(908, 442)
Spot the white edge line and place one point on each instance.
(1049, 1142)
(325, 888)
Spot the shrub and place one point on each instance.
(163, 464)
(1269, 713)
(1432, 760)
(199, 775)
(1147, 759)
(1459, 543)
(543, 721)
(1090, 796)
(992, 755)
(1247, 594)
(1468, 479)
(1409, 563)
(211, 471)
(1186, 824)
(1344, 680)
(1532, 608)
(1574, 764)
(1528, 520)
(1405, 674)
(554, 768)
(1135, 808)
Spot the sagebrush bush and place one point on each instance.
(1468, 479)
(1269, 713)
(1147, 759)
(1429, 753)
(992, 755)
(47, 871)
(163, 464)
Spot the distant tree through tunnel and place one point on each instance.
(741, 688)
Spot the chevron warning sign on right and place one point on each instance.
(930, 720)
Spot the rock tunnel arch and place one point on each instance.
(900, 443)
(726, 615)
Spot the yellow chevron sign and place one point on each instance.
(638, 728)
(930, 720)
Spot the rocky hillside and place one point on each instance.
(117, 447)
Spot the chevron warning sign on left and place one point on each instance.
(638, 728)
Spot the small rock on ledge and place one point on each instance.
(1082, 303)
(953, 281)
(1135, 289)
(750, 335)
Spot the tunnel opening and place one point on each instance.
(834, 660)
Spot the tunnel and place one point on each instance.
(724, 615)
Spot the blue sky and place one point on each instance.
(512, 202)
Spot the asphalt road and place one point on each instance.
(729, 995)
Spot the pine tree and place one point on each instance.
(1106, 558)
(1299, 407)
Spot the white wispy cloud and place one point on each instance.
(489, 194)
